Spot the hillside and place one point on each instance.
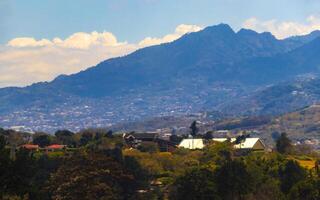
(279, 98)
(301, 125)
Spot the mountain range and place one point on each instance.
(216, 69)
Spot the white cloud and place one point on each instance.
(180, 30)
(78, 40)
(26, 60)
(28, 42)
(284, 29)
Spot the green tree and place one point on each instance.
(218, 153)
(291, 174)
(283, 144)
(41, 139)
(17, 175)
(194, 129)
(195, 184)
(2, 142)
(268, 190)
(233, 180)
(242, 138)
(65, 137)
(93, 175)
(317, 167)
(306, 190)
(86, 137)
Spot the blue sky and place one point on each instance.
(132, 20)
(41, 39)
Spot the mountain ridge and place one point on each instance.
(199, 71)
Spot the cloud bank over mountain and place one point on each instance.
(27, 60)
(284, 29)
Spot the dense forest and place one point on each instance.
(98, 164)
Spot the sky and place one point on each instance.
(40, 40)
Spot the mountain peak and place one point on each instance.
(222, 28)
(247, 32)
(251, 33)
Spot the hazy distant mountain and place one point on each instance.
(200, 71)
(279, 98)
(304, 38)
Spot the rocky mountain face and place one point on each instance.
(207, 70)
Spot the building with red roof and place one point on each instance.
(54, 147)
(30, 146)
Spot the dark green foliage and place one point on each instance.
(17, 175)
(92, 176)
(41, 139)
(196, 184)
(65, 137)
(317, 167)
(2, 142)
(134, 167)
(218, 153)
(290, 174)
(86, 137)
(242, 138)
(306, 190)
(268, 190)
(283, 144)
(233, 180)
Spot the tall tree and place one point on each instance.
(194, 129)
(283, 144)
(2, 142)
(65, 137)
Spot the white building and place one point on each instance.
(248, 143)
(192, 143)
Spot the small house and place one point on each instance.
(135, 139)
(247, 144)
(192, 143)
(254, 144)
